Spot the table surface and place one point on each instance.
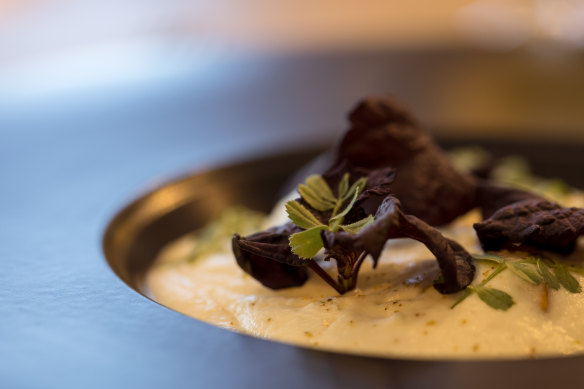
(67, 164)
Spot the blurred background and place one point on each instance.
(288, 70)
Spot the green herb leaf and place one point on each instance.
(566, 279)
(494, 298)
(354, 228)
(576, 269)
(488, 258)
(526, 272)
(313, 198)
(306, 244)
(341, 215)
(211, 239)
(550, 279)
(320, 187)
(358, 186)
(301, 216)
(344, 185)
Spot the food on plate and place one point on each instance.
(347, 265)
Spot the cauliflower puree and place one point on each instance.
(394, 312)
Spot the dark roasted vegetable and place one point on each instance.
(383, 134)
(532, 222)
(387, 166)
(266, 256)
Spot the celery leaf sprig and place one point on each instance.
(306, 244)
(535, 270)
(317, 193)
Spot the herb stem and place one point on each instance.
(358, 263)
(325, 276)
(334, 227)
(545, 298)
(470, 290)
(336, 208)
(498, 270)
(467, 292)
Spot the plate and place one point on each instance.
(139, 231)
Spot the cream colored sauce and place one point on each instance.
(394, 312)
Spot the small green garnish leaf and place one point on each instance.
(307, 244)
(344, 185)
(494, 298)
(526, 271)
(358, 186)
(470, 290)
(576, 269)
(320, 187)
(550, 279)
(211, 239)
(345, 211)
(354, 228)
(301, 216)
(488, 258)
(314, 199)
(566, 279)
(533, 269)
